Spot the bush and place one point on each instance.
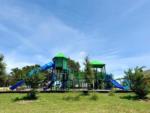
(138, 82)
(111, 93)
(94, 97)
(32, 95)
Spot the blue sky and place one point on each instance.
(116, 32)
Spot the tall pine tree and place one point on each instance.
(88, 73)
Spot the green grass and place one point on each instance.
(73, 103)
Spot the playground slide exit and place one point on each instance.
(116, 84)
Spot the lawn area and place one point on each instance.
(73, 103)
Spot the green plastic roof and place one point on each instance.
(60, 55)
(96, 63)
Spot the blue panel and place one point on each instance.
(33, 72)
(47, 66)
(17, 84)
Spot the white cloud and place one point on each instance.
(83, 54)
(39, 43)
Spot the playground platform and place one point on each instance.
(66, 91)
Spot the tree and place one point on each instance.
(16, 75)
(22, 74)
(35, 80)
(2, 71)
(74, 67)
(88, 73)
(34, 77)
(138, 82)
(147, 75)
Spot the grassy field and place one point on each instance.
(73, 103)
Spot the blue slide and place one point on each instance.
(21, 82)
(116, 84)
(32, 72)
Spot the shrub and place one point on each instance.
(94, 97)
(138, 82)
(32, 95)
(111, 93)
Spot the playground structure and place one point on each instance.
(99, 70)
(60, 75)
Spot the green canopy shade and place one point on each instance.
(97, 64)
(60, 55)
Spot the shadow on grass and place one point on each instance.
(72, 98)
(129, 97)
(134, 97)
(26, 98)
(85, 93)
